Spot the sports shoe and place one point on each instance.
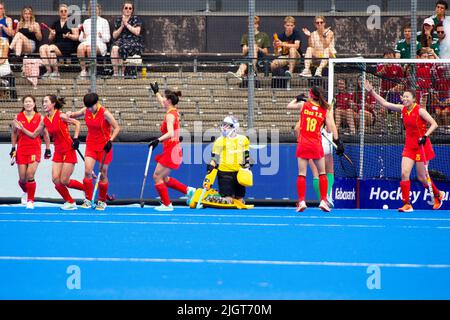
(162, 207)
(301, 206)
(306, 73)
(190, 194)
(68, 206)
(87, 204)
(330, 202)
(83, 74)
(54, 75)
(101, 206)
(234, 74)
(438, 200)
(406, 208)
(30, 205)
(24, 198)
(323, 205)
(288, 74)
(47, 74)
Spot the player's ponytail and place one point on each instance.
(173, 96)
(58, 101)
(319, 96)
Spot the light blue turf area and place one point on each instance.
(265, 253)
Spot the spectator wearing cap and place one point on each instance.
(428, 38)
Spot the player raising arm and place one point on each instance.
(314, 113)
(415, 119)
(171, 156)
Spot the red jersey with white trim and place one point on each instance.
(389, 71)
(423, 75)
(99, 129)
(59, 131)
(312, 118)
(344, 100)
(415, 126)
(25, 144)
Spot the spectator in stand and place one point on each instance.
(6, 24)
(444, 48)
(287, 47)
(63, 42)
(5, 68)
(127, 35)
(423, 77)
(392, 76)
(441, 96)
(27, 35)
(403, 47)
(369, 109)
(262, 45)
(320, 45)
(428, 38)
(440, 11)
(440, 18)
(103, 37)
(344, 107)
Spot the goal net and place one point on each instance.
(375, 136)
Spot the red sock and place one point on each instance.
(405, 186)
(64, 192)
(102, 190)
(161, 188)
(323, 186)
(301, 187)
(75, 184)
(23, 186)
(31, 189)
(177, 185)
(88, 188)
(435, 189)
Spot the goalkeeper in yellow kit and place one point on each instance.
(230, 153)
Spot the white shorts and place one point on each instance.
(327, 146)
(101, 46)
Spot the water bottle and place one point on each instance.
(144, 72)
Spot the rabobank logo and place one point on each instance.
(341, 194)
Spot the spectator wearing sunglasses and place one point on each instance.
(320, 45)
(63, 41)
(127, 37)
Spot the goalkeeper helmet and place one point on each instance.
(229, 126)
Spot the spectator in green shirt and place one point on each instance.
(428, 38)
(440, 10)
(262, 45)
(403, 47)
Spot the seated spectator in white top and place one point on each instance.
(103, 37)
(320, 45)
(441, 19)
